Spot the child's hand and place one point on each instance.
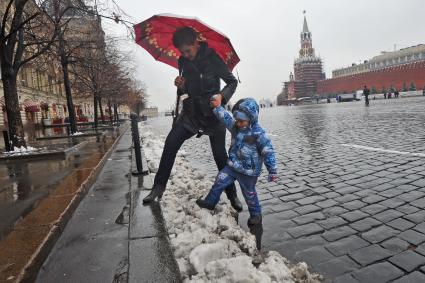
(215, 100)
(272, 177)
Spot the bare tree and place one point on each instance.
(26, 32)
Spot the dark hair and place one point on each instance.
(184, 36)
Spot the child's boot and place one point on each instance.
(203, 204)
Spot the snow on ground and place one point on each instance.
(21, 150)
(210, 245)
(77, 134)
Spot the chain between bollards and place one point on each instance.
(137, 148)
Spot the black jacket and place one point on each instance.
(202, 80)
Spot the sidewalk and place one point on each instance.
(111, 236)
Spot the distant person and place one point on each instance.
(366, 93)
(423, 92)
(389, 95)
(385, 95)
(396, 93)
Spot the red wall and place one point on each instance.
(395, 76)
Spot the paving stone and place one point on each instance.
(334, 211)
(284, 215)
(388, 215)
(408, 188)
(420, 228)
(309, 241)
(336, 266)
(292, 197)
(314, 256)
(408, 260)
(373, 208)
(378, 273)
(365, 224)
(401, 224)
(395, 245)
(383, 187)
(338, 233)
(416, 217)
(411, 196)
(327, 203)
(354, 204)
(392, 202)
(346, 245)
(390, 193)
(309, 200)
(346, 198)
(407, 209)
(370, 254)
(414, 277)
(305, 230)
(412, 237)
(365, 192)
(284, 206)
(419, 183)
(332, 222)
(307, 218)
(331, 195)
(373, 199)
(307, 209)
(420, 249)
(420, 203)
(379, 234)
(347, 190)
(346, 278)
(355, 215)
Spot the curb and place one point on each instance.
(30, 270)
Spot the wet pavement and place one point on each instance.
(112, 237)
(23, 183)
(351, 195)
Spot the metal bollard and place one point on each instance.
(6, 141)
(136, 143)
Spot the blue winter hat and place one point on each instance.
(239, 115)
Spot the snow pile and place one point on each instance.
(21, 150)
(210, 245)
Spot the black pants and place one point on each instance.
(175, 139)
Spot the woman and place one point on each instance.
(201, 70)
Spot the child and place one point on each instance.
(250, 147)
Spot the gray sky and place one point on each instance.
(266, 36)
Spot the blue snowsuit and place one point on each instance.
(249, 148)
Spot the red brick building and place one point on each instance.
(399, 69)
(396, 77)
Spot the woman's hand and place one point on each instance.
(215, 100)
(179, 82)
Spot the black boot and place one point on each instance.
(233, 197)
(203, 204)
(156, 191)
(255, 225)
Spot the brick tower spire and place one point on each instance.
(307, 49)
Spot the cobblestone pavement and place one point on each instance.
(351, 195)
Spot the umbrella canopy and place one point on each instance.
(156, 36)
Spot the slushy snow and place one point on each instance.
(209, 246)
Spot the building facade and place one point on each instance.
(41, 93)
(308, 69)
(403, 70)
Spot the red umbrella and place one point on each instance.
(156, 33)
